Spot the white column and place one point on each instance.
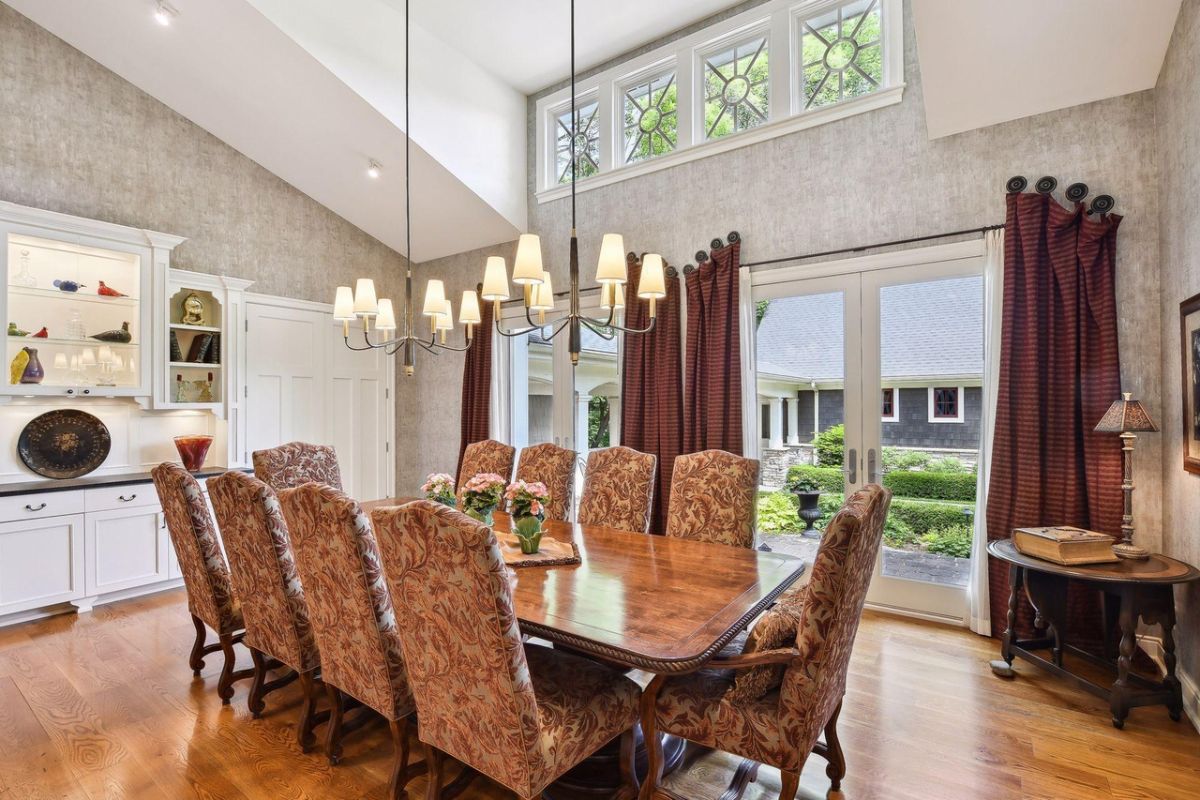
(580, 444)
(793, 417)
(614, 420)
(776, 442)
(816, 411)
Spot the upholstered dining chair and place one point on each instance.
(486, 456)
(714, 496)
(771, 703)
(555, 467)
(534, 712)
(618, 489)
(264, 575)
(295, 464)
(352, 618)
(211, 600)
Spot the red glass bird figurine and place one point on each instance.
(42, 334)
(109, 292)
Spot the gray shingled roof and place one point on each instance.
(928, 329)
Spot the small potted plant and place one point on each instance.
(808, 492)
(527, 505)
(439, 487)
(482, 495)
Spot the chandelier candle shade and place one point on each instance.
(1127, 417)
(362, 303)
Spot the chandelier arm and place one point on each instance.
(646, 329)
(454, 349)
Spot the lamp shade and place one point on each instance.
(365, 304)
(543, 295)
(527, 266)
(611, 267)
(386, 321)
(445, 319)
(435, 298)
(343, 304)
(468, 311)
(653, 282)
(495, 279)
(607, 293)
(1126, 416)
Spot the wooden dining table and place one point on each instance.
(659, 604)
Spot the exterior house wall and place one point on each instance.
(913, 428)
(832, 408)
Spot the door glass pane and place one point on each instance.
(931, 365)
(800, 383)
(597, 395)
(532, 387)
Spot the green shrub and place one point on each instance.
(831, 445)
(947, 464)
(898, 533)
(924, 516)
(931, 485)
(952, 541)
(777, 513)
(826, 479)
(896, 458)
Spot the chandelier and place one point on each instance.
(536, 284)
(361, 303)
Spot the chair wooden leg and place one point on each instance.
(255, 699)
(402, 771)
(836, 770)
(196, 661)
(791, 784)
(225, 684)
(309, 716)
(333, 737)
(436, 761)
(629, 781)
(654, 751)
(745, 774)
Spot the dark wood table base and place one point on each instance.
(598, 777)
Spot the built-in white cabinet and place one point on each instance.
(41, 561)
(125, 542)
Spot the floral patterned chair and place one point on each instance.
(555, 467)
(295, 464)
(618, 489)
(714, 495)
(352, 618)
(799, 674)
(534, 712)
(205, 574)
(265, 578)
(486, 456)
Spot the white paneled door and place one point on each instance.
(304, 385)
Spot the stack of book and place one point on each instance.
(205, 349)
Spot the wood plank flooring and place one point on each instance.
(103, 705)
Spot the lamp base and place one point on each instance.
(1131, 551)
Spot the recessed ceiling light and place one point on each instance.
(374, 169)
(164, 13)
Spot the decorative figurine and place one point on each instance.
(33, 372)
(24, 277)
(13, 330)
(67, 286)
(109, 292)
(44, 333)
(17, 368)
(193, 310)
(122, 336)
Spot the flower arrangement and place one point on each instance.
(439, 487)
(481, 495)
(527, 504)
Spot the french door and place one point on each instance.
(891, 348)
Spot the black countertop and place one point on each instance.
(90, 481)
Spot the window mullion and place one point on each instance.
(685, 100)
(610, 154)
(779, 68)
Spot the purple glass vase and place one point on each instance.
(33, 370)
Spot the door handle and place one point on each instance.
(29, 507)
(125, 499)
(872, 472)
(851, 466)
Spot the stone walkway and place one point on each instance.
(907, 564)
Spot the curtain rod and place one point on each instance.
(840, 251)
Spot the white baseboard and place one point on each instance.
(69, 608)
(1152, 646)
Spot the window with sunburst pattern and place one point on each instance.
(736, 87)
(651, 122)
(841, 53)
(587, 141)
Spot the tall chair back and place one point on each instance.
(297, 463)
(618, 489)
(553, 466)
(486, 456)
(714, 497)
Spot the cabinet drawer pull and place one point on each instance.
(32, 508)
(125, 499)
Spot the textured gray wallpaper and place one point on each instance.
(1178, 103)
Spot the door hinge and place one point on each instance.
(247, 323)
(246, 390)
(387, 447)
(387, 394)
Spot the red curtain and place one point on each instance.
(714, 364)
(477, 387)
(1059, 372)
(652, 387)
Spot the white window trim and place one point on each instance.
(758, 30)
(962, 402)
(895, 417)
(786, 115)
(551, 137)
(643, 75)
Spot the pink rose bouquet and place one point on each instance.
(527, 504)
(481, 495)
(439, 487)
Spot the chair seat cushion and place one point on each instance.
(582, 705)
(774, 629)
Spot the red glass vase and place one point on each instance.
(193, 450)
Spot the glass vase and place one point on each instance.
(193, 450)
(33, 372)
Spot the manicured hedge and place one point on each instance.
(924, 516)
(828, 478)
(931, 485)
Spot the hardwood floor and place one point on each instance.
(103, 705)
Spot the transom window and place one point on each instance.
(651, 118)
(587, 141)
(736, 88)
(945, 402)
(841, 53)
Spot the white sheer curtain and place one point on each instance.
(993, 305)
(746, 324)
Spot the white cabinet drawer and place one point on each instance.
(21, 507)
(41, 562)
(109, 498)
